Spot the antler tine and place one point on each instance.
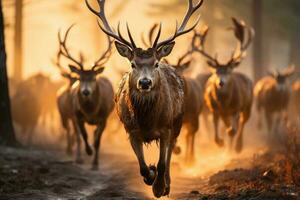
(150, 36)
(288, 71)
(201, 49)
(56, 62)
(240, 29)
(63, 50)
(105, 56)
(130, 36)
(180, 31)
(107, 28)
(181, 58)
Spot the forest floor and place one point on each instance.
(39, 174)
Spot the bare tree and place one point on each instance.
(18, 43)
(7, 134)
(258, 69)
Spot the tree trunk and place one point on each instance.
(294, 46)
(258, 68)
(18, 42)
(7, 134)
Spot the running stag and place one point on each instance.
(150, 99)
(228, 94)
(272, 95)
(91, 98)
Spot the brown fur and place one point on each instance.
(232, 104)
(64, 105)
(296, 99)
(94, 111)
(147, 115)
(271, 98)
(193, 96)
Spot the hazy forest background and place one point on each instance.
(31, 30)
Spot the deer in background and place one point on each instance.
(272, 95)
(193, 99)
(91, 98)
(64, 98)
(296, 99)
(228, 94)
(150, 99)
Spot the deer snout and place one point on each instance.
(86, 92)
(221, 83)
(145, 84)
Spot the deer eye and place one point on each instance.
(133, 65)
(156, 65)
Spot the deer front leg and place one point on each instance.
(242, 121)
(218, 140)
(78, 159)
(97, 142)
(160, 184)
(80, 126)
(149, 173)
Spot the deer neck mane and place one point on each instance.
(145, 106)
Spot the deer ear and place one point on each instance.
(74, 69)
(99, 70)
(123, 50)
(165, 50)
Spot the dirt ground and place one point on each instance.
(38, 174)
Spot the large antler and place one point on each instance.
(241, 31)
(105, 56)
(156, 45)
(63, 50)
(149, 42)
(198, 43)
(107, 28)
(181, 30)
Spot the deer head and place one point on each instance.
(86, 77)
(182, 63)
(144, 63)
(283, 75)
(244, 35)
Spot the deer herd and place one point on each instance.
(155, 98)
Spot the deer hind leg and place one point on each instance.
(149, 173)
(160, 183)
(66, 125)
(167, 175)
(218, 140)
(232, 125)
(244, 117)
(97, 142)
(269, 121)
(190, 139)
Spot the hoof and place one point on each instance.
(177, 150)
(95, 167)
(152, 176)
(219, 142)
(159, 187)
(89, 150)
(79, 161)
(231, 131)
(167, 191)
